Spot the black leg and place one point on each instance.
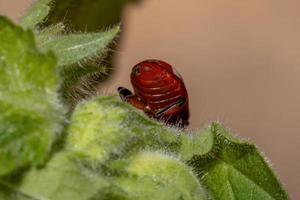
(124, 93)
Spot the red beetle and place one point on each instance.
(159, 92)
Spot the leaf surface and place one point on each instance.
(36, 14)
(30, 113)
(63, 178)
(156, 175)
(73, 48)
(236, 170)
(90, 16)
(105, 128)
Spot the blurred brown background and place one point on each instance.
(240, 61)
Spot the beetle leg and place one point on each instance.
(172, 108)
(124, 93)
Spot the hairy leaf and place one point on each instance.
(73, 48)
(108, 134)
(128, 156)
(236, 170)
(199, 143)
(154, 175)
(105, 127)
(30, 113)
(49, 33)
(81, 82)
(36, 14)
(61, 179)
(73, 74)
(90, 16)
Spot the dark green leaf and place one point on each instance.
(88, 15)
(236, 170)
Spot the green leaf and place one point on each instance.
(105, 128)
(199, 143)
(74, 48)
(30, 113)
(82, 55)
(103, 132)
(49, 33)
(236, 170)
(61, 179)
(107, 134)
(110, 133)
(81, 82)
(155, 175)
(36, 14)
(122, 154)
(73, 74)
(89, 16)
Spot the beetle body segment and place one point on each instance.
(159, 91)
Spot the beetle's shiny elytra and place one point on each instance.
(159, 91)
